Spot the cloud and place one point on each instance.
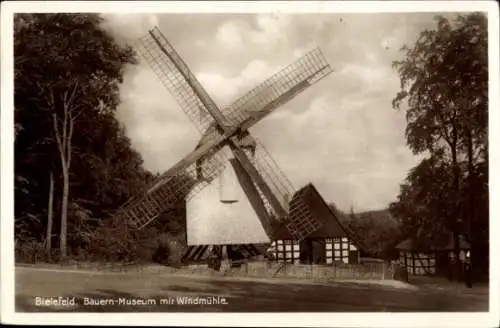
(271, 29)
(158, 129)
(342, 144)
(129, 27)
(267, 30)
(226, 89)
(229, 34)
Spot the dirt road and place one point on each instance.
(146, 292)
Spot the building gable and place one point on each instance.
(319, 210)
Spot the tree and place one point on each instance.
(48, 237)
(444, 82)
(423, 203)
(63, 132)
(68, 72)
(67, 76)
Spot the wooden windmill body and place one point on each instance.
(227, 150)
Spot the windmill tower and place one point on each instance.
(226, 144)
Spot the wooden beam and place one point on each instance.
(261, 183)
(253, 196)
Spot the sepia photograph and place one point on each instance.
(218, 157)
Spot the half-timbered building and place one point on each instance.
(434, 259)
(332, 242)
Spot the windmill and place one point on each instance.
(226, 139)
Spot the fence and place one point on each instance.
(376, 271)
(263, 269)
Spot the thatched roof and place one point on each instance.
(379, 217)
(378, 229)
(411, 244)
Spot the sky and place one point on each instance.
(341, 134)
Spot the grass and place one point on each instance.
(241, 294)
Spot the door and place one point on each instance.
(353, 257)
(313, 251)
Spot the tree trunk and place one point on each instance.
(64, 142)
(63, 136)
(471, 184)
(64, 215)
(456, 212)
(48, 237)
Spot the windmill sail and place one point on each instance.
(273, 175)
(299, 222)
(280, 87)
(182, 181)
(178, 79)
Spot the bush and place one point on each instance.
(30, 251)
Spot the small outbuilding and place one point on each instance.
(330, 243)
(434, 259)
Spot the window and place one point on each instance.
(402, 261)
(420, 263)
(337, 249)
(287, 251)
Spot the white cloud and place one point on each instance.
(301, 51)
(129, 27)
(230, 35)
(256, 71)
(271, 29)
(156, 125)
(225, 89)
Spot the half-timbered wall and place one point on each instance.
(336, 250)
(462, 255)
(424, 263)
(419, 264)
(286, 250)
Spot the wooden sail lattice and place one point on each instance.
(280, 88)
(274, 177)
(168, 191)
(175, 75)
(301, 222)
(185, 179)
